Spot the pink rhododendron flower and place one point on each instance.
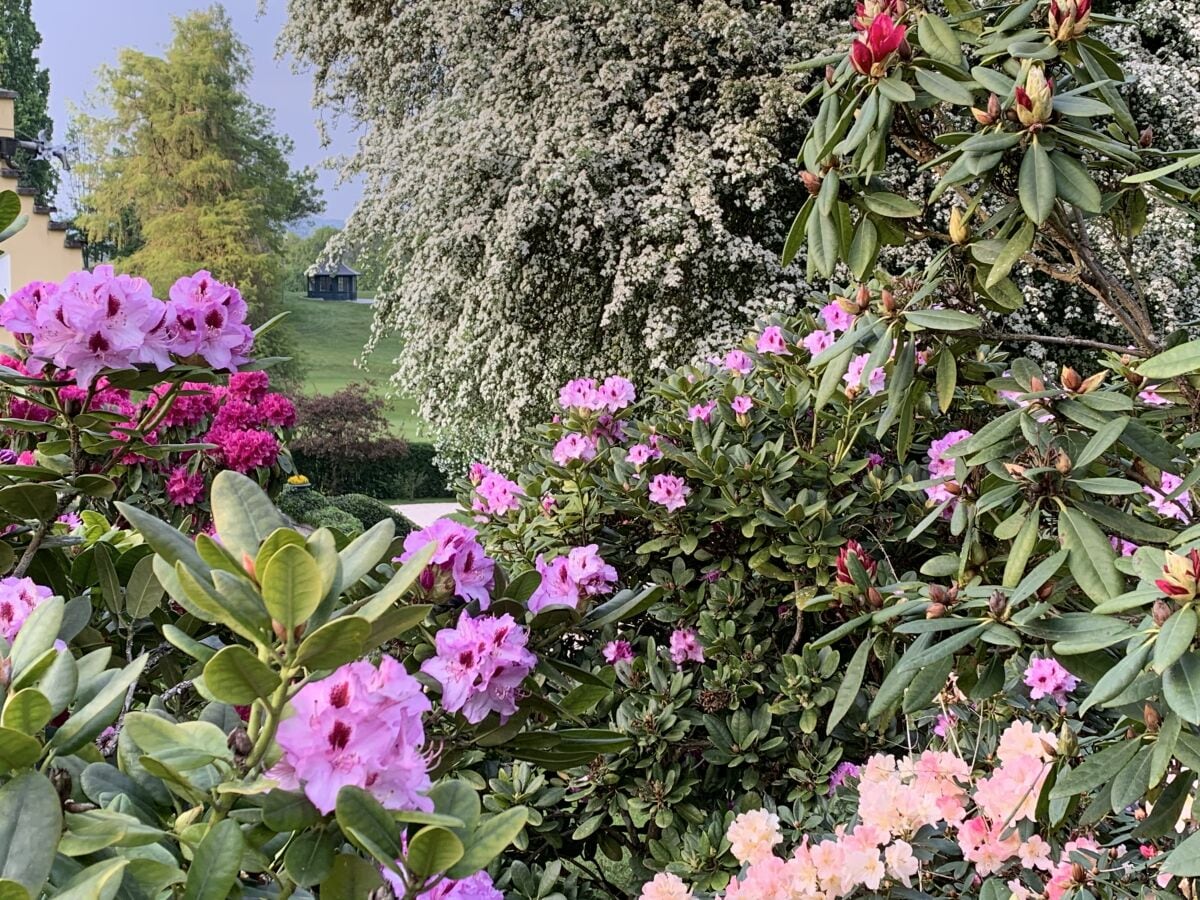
(1122, 546)
(772, 341)
(685, 645)
(818, 342)
(480, 665)
(617, 651)
(359, 726)
(244, 449)
(742, 405)
(1047, 678)
(670, 491)
(567, 579)
(474, 887)
(1177, 508)
(738, 362)
(617, 393)
(854, 375)
(581, 394)
(943, 467)
(835, 318)
(459, 563)
(874, 460)
(184, 488)
(944, 724)
(495, 495)
(702, 411)
(251, 386)
(18, 598)
(901, 863)
(839, 775)
(571, 447)
(640, 454)
(210, 320)
(277, 410)
(665, 886)
(1151, 397)
(753, 835)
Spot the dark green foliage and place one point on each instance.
(299, 503)
(332, 517)
(370, 511)
(19, 72)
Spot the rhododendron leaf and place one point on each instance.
(432, 850)
(1132, 782)
(622, 606)
(235, 675)
(309, 857)
(230, 607)
(1116, 679)
(1184, 860)
(291, 586)
(217, 861)
(1016, 247)
(943, 87)
(351, 878)
(242, 513)
(106, 573)
(100, 881)
(365, 552)
(1174, 638)
(29, 501)
(166, 540)
(891, 205)
(58, 683)
(1167, 809)
(1181, 687)
(368, 825)
(851, 682)
(994, 889)
(1022, 548)
(938, 39)
(455, 798)
(1183, 359)
(926, 684)
(217, 556)
(30, 827)
(275, 541)
(1091, 556)
(394, 623)
(37, 635)
(823, 244)
(143, 593)
(1164, 747)
(187, 644)
(17, 749)
(331, 645)
(1149, 444)
(1095, 770)
(400, 584)
(87, 722)
(488, 840)
(26, 711)
(1074, 184)
(284, 811)
(795, 236)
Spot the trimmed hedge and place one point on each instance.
(404, 476)
(349, 513)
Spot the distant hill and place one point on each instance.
(305, 227)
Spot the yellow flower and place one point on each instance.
(297, 479)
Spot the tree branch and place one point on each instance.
(1065, 340)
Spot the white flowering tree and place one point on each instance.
(558, 188)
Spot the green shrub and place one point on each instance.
(337, 519)
(300, 503)
(370, 511)
(407, 475)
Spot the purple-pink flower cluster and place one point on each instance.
(360, 726)
(670, 491)
(459, 565)
(18, 598)
(685, 646)
(942, 467)
(613, 394)
(1048, 678)
(480, 665)
(566, 580)
(494, 494)
(474, 887)
(100, 320)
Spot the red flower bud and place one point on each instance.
(843, 565)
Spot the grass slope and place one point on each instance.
(329, 337)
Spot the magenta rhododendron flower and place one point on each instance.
(459, 564)
(640, 454)
(670, 491)
(184, 488)
(617, 651)
(772, 341)
(244, 449)
(1122, 546)
(572, 447)
(581, 394)
(1175, 508)
(874, 460)
(742, 405)
(1048, 678)
(567, 579)
(835, 318)
(702, 411)
(18, 598)
(871, 51)
(1151, 397)
(251, 386)
(360, 726)
(817, 342)
(685, 645)
(474, 887)
(839, 775)
(210, 321)
(480, 665)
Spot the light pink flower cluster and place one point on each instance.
(899, 802)
(494, 494)
(18, 598)
(836, 321)
(1048, 678)
(568, 579)
(1151, 397)
(586, 395)
(360, 726)
(640, 454)
(101, 320)
(459, 564)
(1174, 508)
(480, 664)
(617, 651)
(876, 381)
(738, 362)
(702, 412)
(942, 467)
(741, 405)
(685, 646)
(670, 491)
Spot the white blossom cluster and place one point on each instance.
(566, 187)
(577, 187)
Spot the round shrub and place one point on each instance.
(337, 519)
(299, 504)
(369, 511)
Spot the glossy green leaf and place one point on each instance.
(30, 826)
(1174, 638)
(26, 711)
(291, 586)
(242, 512)
(489, 839)
(334, 643)
(1181, 687)
(938, 39)
(237, 676)
(1092, 560)
(431, 850)
(1036, 183)
(893, 206)
(1073, 183)
(1181, 360)
(214, 870)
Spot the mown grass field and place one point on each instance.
(329, 338)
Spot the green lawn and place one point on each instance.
(329, 337)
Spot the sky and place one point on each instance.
(78, 36)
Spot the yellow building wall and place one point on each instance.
(39, 251)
